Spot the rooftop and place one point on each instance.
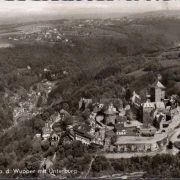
(83, 133)
(157, 84)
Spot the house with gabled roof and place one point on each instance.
(136, 99)
(81, 134)
(57, 127)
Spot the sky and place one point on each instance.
(48, 8)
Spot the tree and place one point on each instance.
(32, 163)
(57, 107)
(45, 145)
(113, 139)
(170, 145)
(2, 160)
(100, 164)
(128, 95)
(86, 113)
(65, 106)
(51, 110)
(36, 147)
(49, 152)
(45, 115)
(152, 66)
(129, 115)
(38, 124)
(118, 166)
(2, 87)
(68, 120)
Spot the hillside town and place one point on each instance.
(61, 33)
(29, 103)
(113, 127)
(91, 97)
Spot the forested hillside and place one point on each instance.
(103, 65)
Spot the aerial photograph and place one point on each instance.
(90, 89)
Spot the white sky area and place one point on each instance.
(28, 7)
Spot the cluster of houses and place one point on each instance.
(44, 34)
(54, 75)
(86, 133)
(27, 102)
(27, 105)
(109, 118)
(61, 33)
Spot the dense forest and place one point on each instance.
(91, 77)
(92, 73)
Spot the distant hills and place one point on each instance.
(44, 17)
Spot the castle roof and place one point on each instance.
(111, 110)
(157, 84)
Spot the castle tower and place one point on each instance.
(157, 90)
(110, 114)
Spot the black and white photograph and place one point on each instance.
(89, 89)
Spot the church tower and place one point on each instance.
(157, 90)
